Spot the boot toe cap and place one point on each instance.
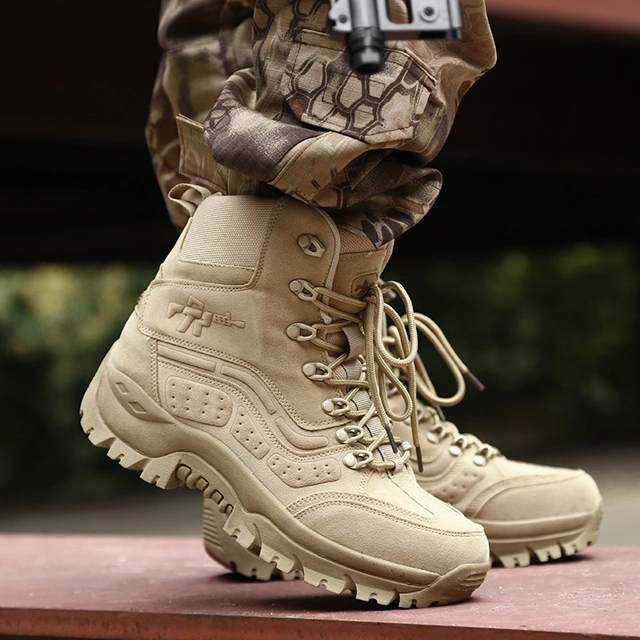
(537, 502)
(405, 539)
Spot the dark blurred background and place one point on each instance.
(529, 260)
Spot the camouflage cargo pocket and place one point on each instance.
(382, 109)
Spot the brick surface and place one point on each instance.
(167, 588)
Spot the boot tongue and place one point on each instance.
(359, 266)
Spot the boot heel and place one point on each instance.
(95, 405)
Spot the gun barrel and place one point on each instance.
(366, 42)
(367, 23)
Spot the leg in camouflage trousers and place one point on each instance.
(288, 113)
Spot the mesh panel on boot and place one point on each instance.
(353, 243)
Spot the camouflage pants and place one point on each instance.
(283, 112)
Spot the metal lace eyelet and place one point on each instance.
(303, 289)
(458, 446)
(480, 460)
(316, 371)
(483, 455)
(357, 459)
(311, 245)
(301, 332)
(335, 406)
(435, 434)
(349, 435)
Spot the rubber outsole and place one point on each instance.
(523, 552)
(224, 549)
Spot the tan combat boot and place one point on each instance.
(528, 511)
(241, 373)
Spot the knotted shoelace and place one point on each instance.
(426, 389)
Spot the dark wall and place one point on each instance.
(544, 150)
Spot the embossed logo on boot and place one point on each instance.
(361, 285)
(195, 318)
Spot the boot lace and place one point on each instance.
(442, 429)
(366, 370)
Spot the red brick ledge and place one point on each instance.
(167, 589)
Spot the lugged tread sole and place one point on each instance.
(224, 549)
(221, 548)
(254, 531)
(521, 553)
(254, 563)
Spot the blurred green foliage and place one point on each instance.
(56, 324)
(552, 335)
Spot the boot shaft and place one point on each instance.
(234, 287)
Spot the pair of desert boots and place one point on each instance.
(256, 368)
